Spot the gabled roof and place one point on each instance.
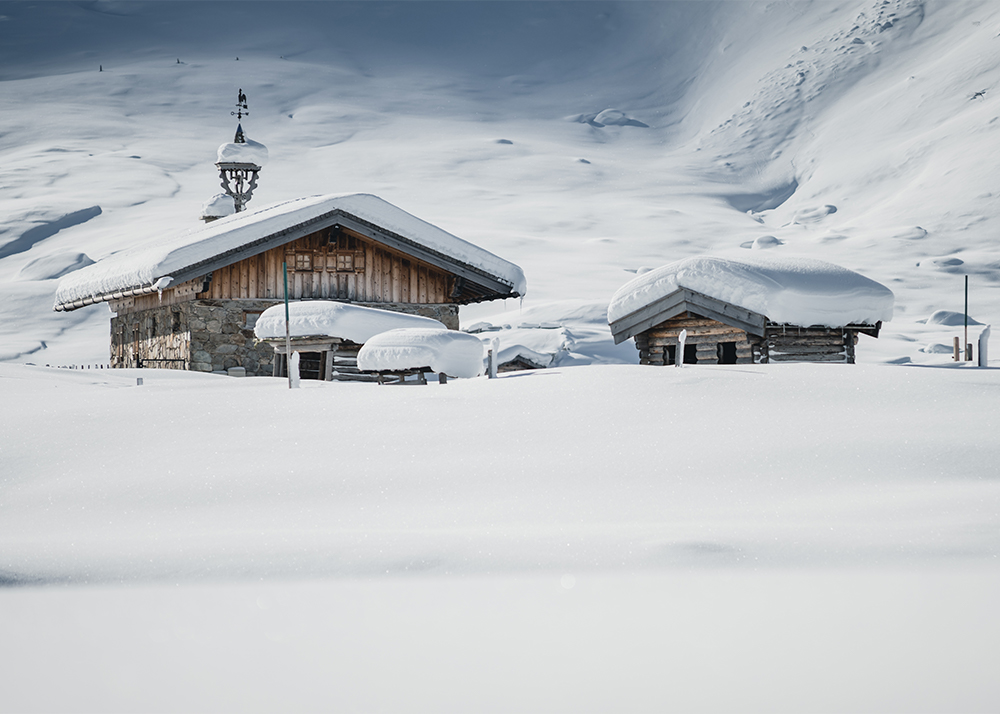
(683, 300)
(749, 293)
(177, 259)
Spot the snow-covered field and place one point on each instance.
(594, 537)
(605, 538)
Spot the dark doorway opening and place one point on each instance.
(727, 353)
(310, 365)
(690, 354)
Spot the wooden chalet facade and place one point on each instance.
(203, 319)
(721, 333)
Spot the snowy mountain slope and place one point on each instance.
(853, 129)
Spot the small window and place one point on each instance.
(303, 261)
(345, 262)
(250, 320)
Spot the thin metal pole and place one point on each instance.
(965, 345)
(288, 334)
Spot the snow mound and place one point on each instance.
(936, 348)
(50, 267)
(251, 152)
(762, 243)
(144, 265)
(358, 324)
(950, 319)
(509, 354)
(457, 354)
(218, 206)
(795, 291)
(608, 117)
(813, 215)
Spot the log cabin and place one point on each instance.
(191, 301)
(818, 309)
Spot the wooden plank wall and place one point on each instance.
(376, 274)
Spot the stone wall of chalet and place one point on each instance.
(214, 335)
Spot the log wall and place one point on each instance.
(705, 335)
(781, 343)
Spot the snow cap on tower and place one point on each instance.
(240, 161)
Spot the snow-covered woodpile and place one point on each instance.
(191, 302)
(746, 311)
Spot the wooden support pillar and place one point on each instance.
(707, 352)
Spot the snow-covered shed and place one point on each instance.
(191, 301)
(328, 335)
(753, 309)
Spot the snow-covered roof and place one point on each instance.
(457, 354)
(794, 291)
(509, 354)
(176, 259)
(358, 324)
(248, 152)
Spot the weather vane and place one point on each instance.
(241, 107)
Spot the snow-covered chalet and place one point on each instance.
(191, 301)
(748, 310)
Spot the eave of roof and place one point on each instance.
(684, 300)
(492, 286)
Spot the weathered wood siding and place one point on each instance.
(784, 343)
(704, 334)
(158, 337)
(781, 343)
(341, 266)
(200, 335)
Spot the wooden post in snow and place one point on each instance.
(955, 349)
(968, 345)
